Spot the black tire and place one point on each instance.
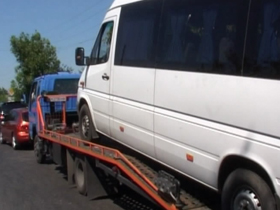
(2, 141)
(86, 127)
(15, 143)
(80, 176)
(38, 150)
(244, 187)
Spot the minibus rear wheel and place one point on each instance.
(245, 189)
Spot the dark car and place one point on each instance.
(5, 109)
(15, 128)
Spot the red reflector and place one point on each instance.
(190, 158)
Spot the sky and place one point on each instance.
(66, 23)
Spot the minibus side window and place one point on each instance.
(262, 56)
(101, 49)
(203, 36)
(138, 34)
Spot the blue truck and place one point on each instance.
(60, 83)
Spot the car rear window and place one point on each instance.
(25, 116)
(9, 106)
(66, 86)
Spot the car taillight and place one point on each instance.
(24, 126)
(1, 117)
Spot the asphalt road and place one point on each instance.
(26, 185)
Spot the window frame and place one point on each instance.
(97, 44)
(31, 99)
(147, 7)
(13, 116)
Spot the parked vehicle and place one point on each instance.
(5, 108)
(15, 128)
(57, 83)
(192, 85)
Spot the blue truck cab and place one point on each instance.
(58, 83)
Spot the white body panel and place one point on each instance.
(97, 90)
(236, 101)
(122, 2)
(133, 91)
(177, 135)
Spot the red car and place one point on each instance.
(15, 128)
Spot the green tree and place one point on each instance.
(35, 56)
(17, 92)
(3, 95)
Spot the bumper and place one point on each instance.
(22, 137)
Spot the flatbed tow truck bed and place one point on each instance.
(112, 158)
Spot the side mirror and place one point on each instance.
(44, 94)
(80, 56)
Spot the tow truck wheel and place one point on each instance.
(2, 141)
(244, 190)
(80, 175)
(85, 124)
(38, 150)
(14, 143)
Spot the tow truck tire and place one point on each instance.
(244, 189)
(38, 151)
(15, 144)
(2, 141)
(80, 175)
(85, 124)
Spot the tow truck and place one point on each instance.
(96, 167)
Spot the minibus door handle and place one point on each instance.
(105, 77)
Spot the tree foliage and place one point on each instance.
(3, 95)
(17, 92)
(35, 56)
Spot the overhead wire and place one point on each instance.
(59, 49)
(74, 16)
(62, 48)
(79, 32)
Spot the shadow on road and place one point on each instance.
(23, 147)
(126, 199)
(62, 170)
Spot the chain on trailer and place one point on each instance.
(162, 187)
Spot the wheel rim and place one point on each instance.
(85, 126)
(1, 137)
(246, 200)
(14, 142)
(80, 174)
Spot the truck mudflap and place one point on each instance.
(157, 186)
